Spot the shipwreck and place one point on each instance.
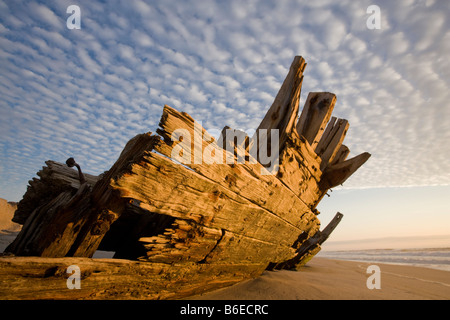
(178, 225)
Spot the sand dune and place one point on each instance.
(335, 279)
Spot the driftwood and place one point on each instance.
(190, 213)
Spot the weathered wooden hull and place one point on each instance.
(214, 219)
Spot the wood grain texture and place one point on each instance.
(30, 278)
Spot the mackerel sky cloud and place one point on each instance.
(85, 93)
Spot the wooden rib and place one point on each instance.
(315, 116)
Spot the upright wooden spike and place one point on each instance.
(283, 113)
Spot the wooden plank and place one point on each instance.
(188, 195)
(311, 247)
(60, 173)
(186, 141)
(307, 257)
(212, 246)
(238, 248)
(183, 241)
(320, 147)
(315, 115)
(243, 179)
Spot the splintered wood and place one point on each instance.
(184, 203)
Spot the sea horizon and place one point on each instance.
(423, 251)
(399, 242)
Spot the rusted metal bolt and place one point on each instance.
(71, 163)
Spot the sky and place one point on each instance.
(85, 92)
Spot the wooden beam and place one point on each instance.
(336, 174)
(315, 116)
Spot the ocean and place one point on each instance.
(434, 258)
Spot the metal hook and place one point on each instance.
(70, 163)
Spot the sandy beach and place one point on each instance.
(326, 279)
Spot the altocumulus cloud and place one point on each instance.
(85, 93)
